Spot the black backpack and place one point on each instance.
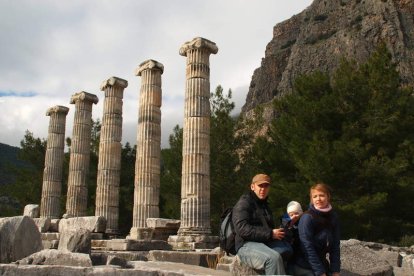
(227, 234)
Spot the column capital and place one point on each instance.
(84, 96)
(149, 64)
(198, 43)
(57, 109)
(114, 81)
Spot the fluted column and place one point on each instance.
(52, 174)
(77, 194)
(109, 164)
(195, 181)
(148, 159)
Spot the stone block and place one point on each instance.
(43, 224)
(100, 257)
(191, 242)
(31, 210)
(115, 260)
(401, 271)
(233, 265)
(99, 244)
(407, 261)
(137, 245)
(357, 259)
(163, 223)
(19, 238)
(92, 223)
(97, 236)
(141, 233)
(78, 241)
(205, 259)
(54, 225)
(53, 244)
(57, 257)
(50, 236)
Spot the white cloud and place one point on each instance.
(58, 48)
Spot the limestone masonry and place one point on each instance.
(52, 174)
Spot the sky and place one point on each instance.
(50, 50)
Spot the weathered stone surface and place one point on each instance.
(54, 225)
(195, 180)
(52, 174)
(235, 267)
(356, 259)
(99, 257)
(53, 244)
(148, 158)
(163, 223)
(92, 223)
(137, 245)
(19, 237)
(401, 271)
(205, 259)
(193, 242)
(76, 199)
(50, 240)
(57, 257)
(78, 241)
(31, 210)
(109, 164)
(142, 233)
(139, 268)
(407, 261)
(163, 228)
(170, 268)
(41, 270)
(115, 260)
(50, 236)
(43, 224)
(318, 37)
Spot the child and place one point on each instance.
(290, 223)
(294, 210)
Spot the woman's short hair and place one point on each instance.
(321, 187)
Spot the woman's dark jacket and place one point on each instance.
(247, 221)
(319, 235)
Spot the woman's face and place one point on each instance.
(319, 199)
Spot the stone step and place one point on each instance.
(204, 258)
(137, 245)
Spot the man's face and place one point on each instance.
(261, 190)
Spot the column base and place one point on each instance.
(137, 233)
(193, 242)
(112, 233)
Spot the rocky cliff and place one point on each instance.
(318, 37)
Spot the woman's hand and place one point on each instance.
(278, 234)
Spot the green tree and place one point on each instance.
(353, 130)
(170, 182)
(126, 190)
(224, 160)
(27, 187)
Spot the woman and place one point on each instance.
(319, 235)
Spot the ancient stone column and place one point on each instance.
(109, 163)
(77, 194)
(52, 174)
(147, 165)
(195, 180)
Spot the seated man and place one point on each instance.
(256, 235)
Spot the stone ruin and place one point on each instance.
(42, 243)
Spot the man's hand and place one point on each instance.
(278, 234)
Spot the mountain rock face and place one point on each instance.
(318, 37)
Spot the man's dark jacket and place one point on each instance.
(248, 222)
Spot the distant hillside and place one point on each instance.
(8, 159)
